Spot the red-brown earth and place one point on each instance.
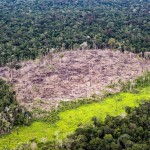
(72, 74)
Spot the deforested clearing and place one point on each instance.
(42, 83)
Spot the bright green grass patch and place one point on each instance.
(70, 119)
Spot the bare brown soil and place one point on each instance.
(68, 75)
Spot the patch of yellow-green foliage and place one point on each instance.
(71, 119)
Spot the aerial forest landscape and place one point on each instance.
(74, 74)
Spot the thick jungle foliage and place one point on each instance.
(11, 114)
(32, 28)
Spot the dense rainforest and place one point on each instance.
(11, 113)
(31, 28)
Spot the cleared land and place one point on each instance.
(68, 75)
(70, 119)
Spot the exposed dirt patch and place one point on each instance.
(43, 83)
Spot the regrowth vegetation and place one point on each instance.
(67, 120)
(129, 132)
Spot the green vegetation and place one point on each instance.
(32, 28)
(11, 114)
(129, 132)
(35, 28)
(70, 119)
(130, 86)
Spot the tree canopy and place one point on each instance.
(32, 28)
(11, 113)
